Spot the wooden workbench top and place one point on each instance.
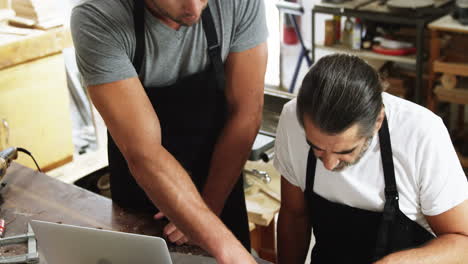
(33, 195)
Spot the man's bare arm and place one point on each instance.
(450, 246)
(245, 80)
(135, 128)
(294, 229)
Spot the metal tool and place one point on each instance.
(268, 155)
(262, 175)
(31, 257)
(6, 156)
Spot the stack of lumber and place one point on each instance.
(43, 14)
(5, 11)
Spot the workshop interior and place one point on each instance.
(55, 181)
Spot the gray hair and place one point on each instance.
(339, 91)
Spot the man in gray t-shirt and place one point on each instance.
(175, 110)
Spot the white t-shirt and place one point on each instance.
(429, 176)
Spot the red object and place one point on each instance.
(394, 52)
(2, 227)
(289, 35)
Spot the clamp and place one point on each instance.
(31, 257)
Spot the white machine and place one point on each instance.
(60, 243)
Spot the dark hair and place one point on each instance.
(340, 91)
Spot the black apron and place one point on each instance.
(192, 114)
(345, 234)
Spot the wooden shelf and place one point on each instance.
(456, 95)
(460, 69)
(410, 59)
(447, 23)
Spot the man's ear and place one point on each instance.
(380, 119)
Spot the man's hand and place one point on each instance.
(237, 255)
(172, 232)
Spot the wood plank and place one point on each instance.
(58, 163)
(456, 95)
(34, 46)
(410, 59)
(460, 69)
(6, 14)
(261, 208)
(5, 4)
(447, 23)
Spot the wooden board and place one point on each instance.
(6, 14)
(40, 44)
(35, 103)
(263, 199)
(456, 95)
(460, 69)
(261, 208)
(447, 23)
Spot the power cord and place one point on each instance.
(30, 155)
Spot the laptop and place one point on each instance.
(60, 243)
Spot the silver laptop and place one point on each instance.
(59, 244)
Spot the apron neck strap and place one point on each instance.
(139, 26)
(310, 171)
(391, 206)
(214, 48)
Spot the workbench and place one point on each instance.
(32, 195)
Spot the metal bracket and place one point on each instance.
(31, 257)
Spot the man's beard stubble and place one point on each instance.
(179, 20)
(344, 164)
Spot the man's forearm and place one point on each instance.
(447, 249)
(171, 189)
(229, 157)
(293, 238)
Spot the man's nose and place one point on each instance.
(329, 161)
(194, 7)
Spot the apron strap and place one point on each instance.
(391, 206)
(310, 172)
(139, 26)
(214, 49)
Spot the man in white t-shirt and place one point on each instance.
(374, 176)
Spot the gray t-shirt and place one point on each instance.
(105, 43)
